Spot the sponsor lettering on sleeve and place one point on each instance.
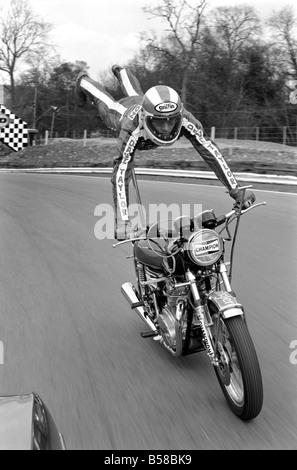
(198, 133)
(120, 178)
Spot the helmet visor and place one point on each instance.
(165, 128)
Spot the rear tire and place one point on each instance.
(239, 372)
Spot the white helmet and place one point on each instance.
(162, 114)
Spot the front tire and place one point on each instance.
(239, 372)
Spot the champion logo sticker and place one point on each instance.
(167, 107)
(210, 247)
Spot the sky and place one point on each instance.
(106, 32)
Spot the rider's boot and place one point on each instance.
(116, 70)
(79, 95)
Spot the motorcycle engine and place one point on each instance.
(167, 315)
(166, 322)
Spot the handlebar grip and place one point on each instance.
(220, 220)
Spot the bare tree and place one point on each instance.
(283, 25)
(184, 23)
(234, 29)
(37, 75)
(22, 34)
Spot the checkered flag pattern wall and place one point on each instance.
(13, 130)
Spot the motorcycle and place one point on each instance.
(185, 298)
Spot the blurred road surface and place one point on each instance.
(69, 335)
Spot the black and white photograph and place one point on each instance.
(148, 227)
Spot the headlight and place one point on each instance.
(205, 247)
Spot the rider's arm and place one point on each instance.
(121, 175)
(193, 130)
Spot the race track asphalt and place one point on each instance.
(69, 334)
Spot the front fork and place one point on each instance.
(202, 317)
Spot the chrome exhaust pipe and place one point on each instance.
(130, 294)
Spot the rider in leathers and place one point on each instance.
(145, 121)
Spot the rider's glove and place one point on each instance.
(125, 231)
(122, 231)
(249, 198)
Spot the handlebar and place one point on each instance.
(222, 218)
(219, 221)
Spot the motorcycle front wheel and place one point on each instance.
(238, 369)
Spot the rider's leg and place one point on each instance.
(129, 84)
(109, 110)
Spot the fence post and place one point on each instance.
(213, 133)
(234, 142)
(284, 135)
(85, 138)
(235, 135)
(257, 133)
(46, 138)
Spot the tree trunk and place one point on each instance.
(12, 90)
(184, 88)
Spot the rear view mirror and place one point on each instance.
(26, 424)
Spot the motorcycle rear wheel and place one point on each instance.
(239, 373)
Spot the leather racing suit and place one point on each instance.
(124, 117)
